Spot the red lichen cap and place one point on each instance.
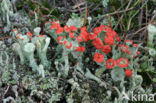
(29, 34)
(128, 72)
(122, 62)
(98, 57)
(109, 40)
(98, 43)
(110, 63)
(106, 49)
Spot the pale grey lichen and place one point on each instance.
(42, 44)
(37, 31)
(77, 22)
(29, 49)
(152, 52)
(17, 48)
(152, 32)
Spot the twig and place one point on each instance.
(110, 14)
(141, 15)
(6, 90)
(153, 17)
(40, 5)
(77, 5)
(96, 7)
(118, 17)
(116, 12)
(143, 28)
(140, 30)
(109, 21)
(86, 16)
(149, 76)
(71, 96)
(123, 14)
(140, 9)
(5, 38)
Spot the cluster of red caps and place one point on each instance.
(110, 39)
(30, 35)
